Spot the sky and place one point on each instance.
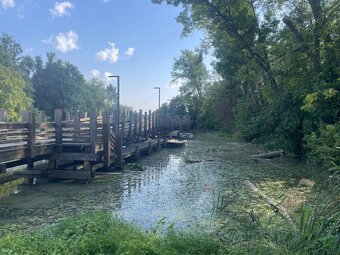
(135, 39)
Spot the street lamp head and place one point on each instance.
(113, 76)
(156, 87)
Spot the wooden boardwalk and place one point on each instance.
(76, 147)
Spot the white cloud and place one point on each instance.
(129, 52)
(64, 42)
(48, 40)
(175, 83)
(109, 54)
(61, 9)
(95, 73)
(106, 1)
(20, 11)
(7, 4)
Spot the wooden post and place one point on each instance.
(149, 123)
(58, 114)
(3, 115)
(119, 161)
(153, 124)
(130, 126)
(135, 121)
(146, 125)
(93, 131)
(158, 143)
(140, 125)
(148, 151)
(58, 118)
(24, 116)
(136, 154)
(157, 121)
(77, 125)
(114, 122)
(123, 125)
(31, 126)
(68, 116)
(42, 117)
(106, 134)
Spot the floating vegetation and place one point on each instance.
(134, 167)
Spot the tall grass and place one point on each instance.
(102, 233)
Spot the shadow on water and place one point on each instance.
(188, 195)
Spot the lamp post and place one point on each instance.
(159, 97)
(118, 104)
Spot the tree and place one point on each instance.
(283, 70)
(111, 94)
(190, 69)
(11, 57)
(12, 95)
(10, 51)
(58, 85)
(95, 94)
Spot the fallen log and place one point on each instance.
(192, 161)
(269, 155)
(277, 208)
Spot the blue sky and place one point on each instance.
(135, 39)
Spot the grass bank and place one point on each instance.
(102, 233)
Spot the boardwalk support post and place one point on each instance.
(58, 114)
(123, 125)
(136, 154)
(149, 123)
(148, 151)
(130, 127)
(31, 140)
(145, 125)
(135, 121)
(107, 147)
(119, 161)
(93, 139)
(140, 125)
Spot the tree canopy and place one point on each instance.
(278, 63)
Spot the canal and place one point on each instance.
(170, 190)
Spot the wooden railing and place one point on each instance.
(91, 133)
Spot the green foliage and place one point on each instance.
(217, 108)
(12, 95)
(102, 233)
(58, 85)
(190, 69)
(134, 167)
(10, 51)
(95, 95)
(281, 72)
(324, 147)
